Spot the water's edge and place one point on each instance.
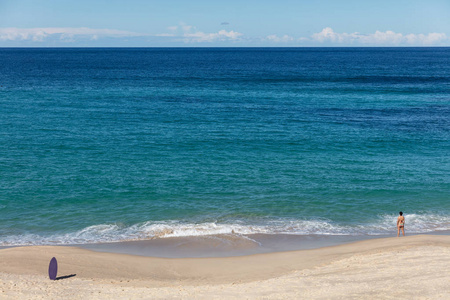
(226, 245)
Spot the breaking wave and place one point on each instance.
(102, 233)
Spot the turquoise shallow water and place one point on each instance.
(127, 144)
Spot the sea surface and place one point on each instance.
(124, 144)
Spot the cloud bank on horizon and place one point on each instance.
(189, 36)
(387, 38)
(64, 34)
(182, 33)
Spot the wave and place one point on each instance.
(104, 233)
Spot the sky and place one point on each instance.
(232, 23)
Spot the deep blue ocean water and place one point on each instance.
(122, 144)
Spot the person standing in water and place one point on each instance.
(400, 224)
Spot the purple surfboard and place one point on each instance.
(53, 269)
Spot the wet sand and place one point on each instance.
(224, 245)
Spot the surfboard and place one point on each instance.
(53, 269)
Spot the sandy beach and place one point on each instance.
(413, 267)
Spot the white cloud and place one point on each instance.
(279, 39)
(186, 27)
(183, 32)
(68, 37)
(222, 35)
(429, 39)
(387, 38)
(67, 34)
(189, 34)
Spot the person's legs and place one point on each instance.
(403, 230)
(398, 231)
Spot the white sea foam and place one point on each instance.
(386, 224)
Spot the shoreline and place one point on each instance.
(223, 245)
(227, 245)
(23, 270)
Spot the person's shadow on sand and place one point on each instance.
(65, 277)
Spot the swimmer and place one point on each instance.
(400, 224)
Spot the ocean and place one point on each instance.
(129, 144)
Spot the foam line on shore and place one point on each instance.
(103, 233)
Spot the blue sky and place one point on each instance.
(195, 23)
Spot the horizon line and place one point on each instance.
(193, 47)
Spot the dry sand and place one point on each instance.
(414, 267)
